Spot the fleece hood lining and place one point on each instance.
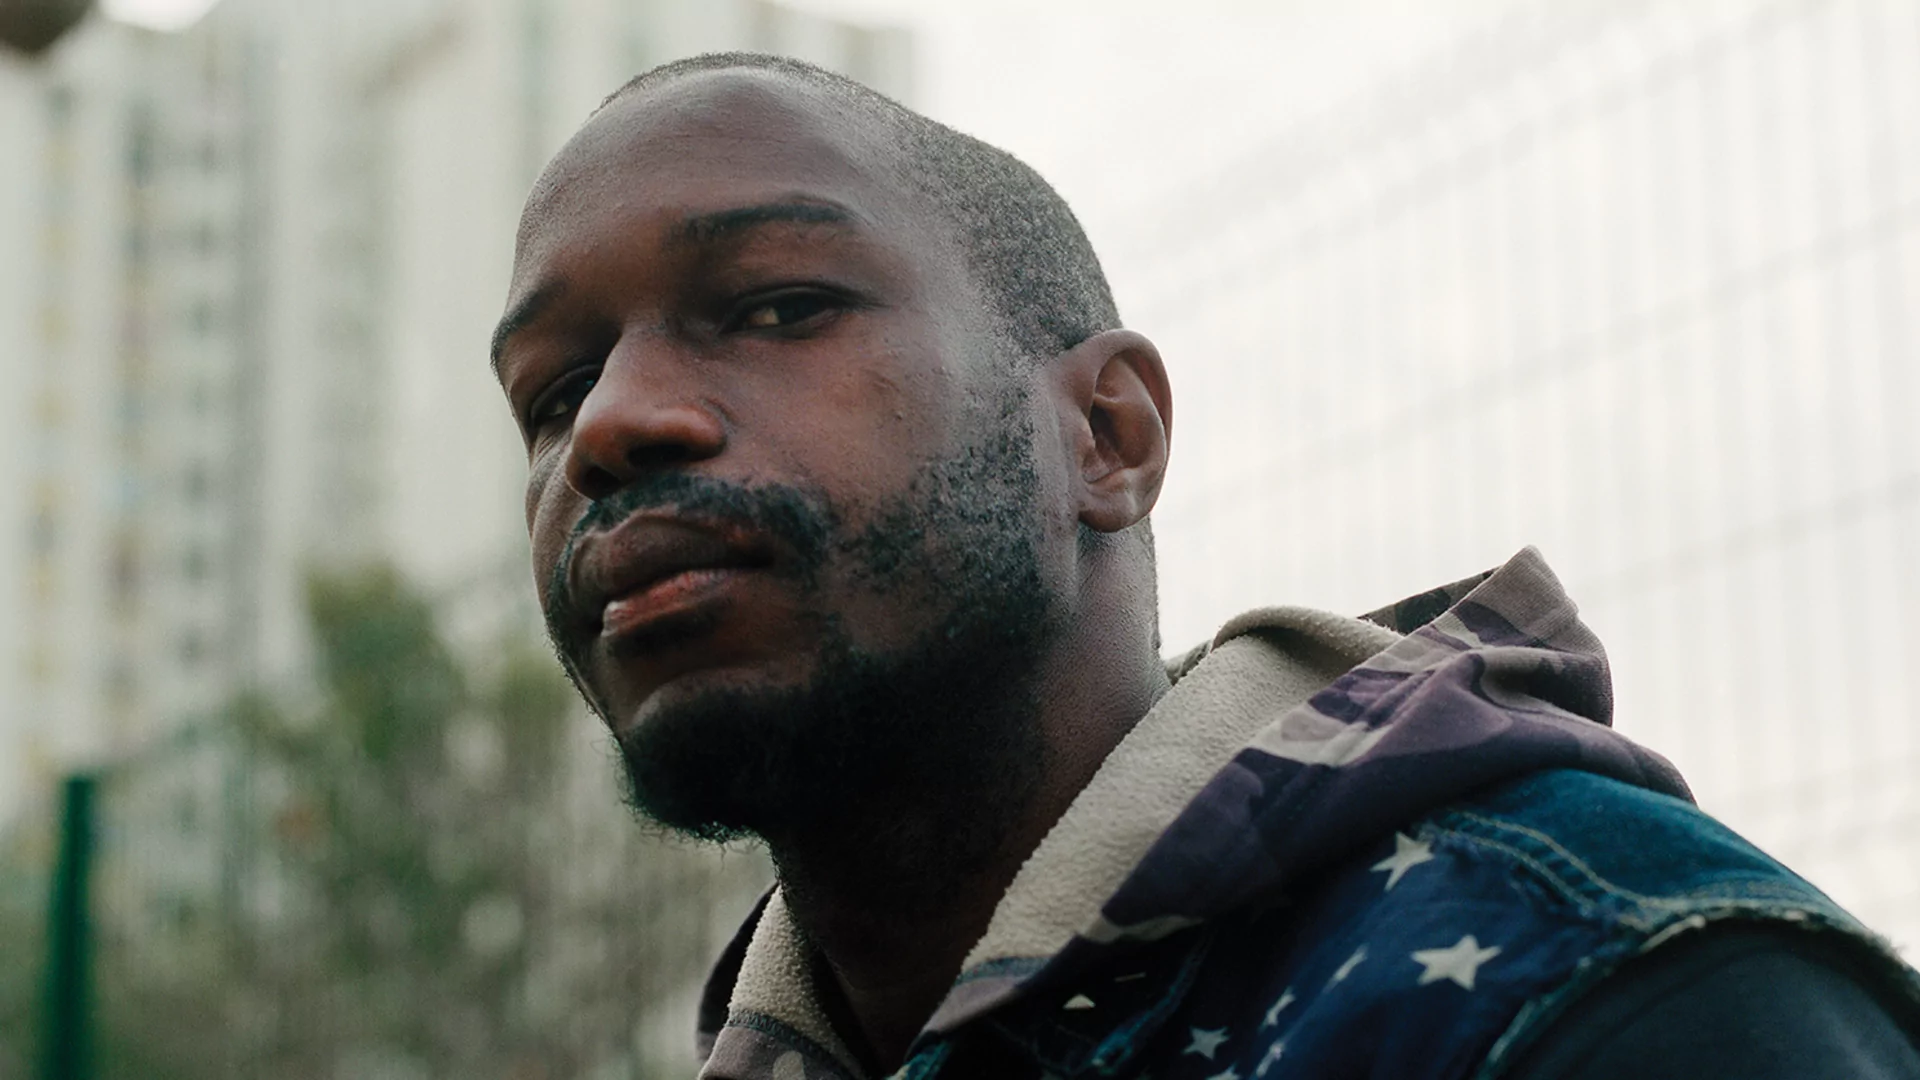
(1259, 666)
(1255, 670)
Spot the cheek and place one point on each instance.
(868, 428)
(1056, 489)
(543, 470)
(551, 509)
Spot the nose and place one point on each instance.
(639, 417)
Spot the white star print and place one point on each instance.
(1273, 1055)
(1273, 1014)
(1227, 1073)
(1459, 962)
(1206, 1041)
(1346, 969)
(1407, 854)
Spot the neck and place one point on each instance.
(897, 894)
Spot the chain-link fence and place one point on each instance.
(423, 870)
(1634, 282)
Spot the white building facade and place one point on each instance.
(1634, 283)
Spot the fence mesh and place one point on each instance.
(1633, 283)
(422, 868)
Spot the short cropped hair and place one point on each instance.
(1024, 248)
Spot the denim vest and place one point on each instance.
(1440, 953)
(1410, 873)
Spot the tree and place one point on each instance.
(421, 876)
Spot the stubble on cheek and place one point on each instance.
(552, 509)
(917, 689)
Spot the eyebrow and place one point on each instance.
(723, 224)
(521, 315)
(697, 230)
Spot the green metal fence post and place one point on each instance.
(68, 1031)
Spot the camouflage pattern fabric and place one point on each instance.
(1404, 876)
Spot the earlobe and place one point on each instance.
(1121, 426)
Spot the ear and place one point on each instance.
(1116, 416)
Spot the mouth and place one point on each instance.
(648, 572)
(629, 614)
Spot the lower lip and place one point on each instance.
(671, 595)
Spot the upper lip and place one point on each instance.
(645, 549)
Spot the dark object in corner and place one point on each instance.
(1755, 1003)
(32, 26)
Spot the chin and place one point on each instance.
(705, 697)
(713, 757)
(739, 751)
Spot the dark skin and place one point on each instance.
(724, 275)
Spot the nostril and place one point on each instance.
(659, 455)
(595, 483)
(598, 481)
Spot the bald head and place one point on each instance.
(1024, 249)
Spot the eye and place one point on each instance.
(784, 310)
(560, 400)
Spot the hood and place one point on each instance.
(1291, 739)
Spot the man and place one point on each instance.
(840, 472)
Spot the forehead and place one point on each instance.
(713, 141)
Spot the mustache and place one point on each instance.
(800, 520)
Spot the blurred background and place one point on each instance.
(288, 785)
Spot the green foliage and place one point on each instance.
(408, 869)
(534, 702)
(25, 858)
(390, 681)
(403, 880)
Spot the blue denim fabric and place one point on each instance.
(1409, 875)
(1440, 952)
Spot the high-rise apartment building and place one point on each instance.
(247, 273)
(97, 637)
(247, 276)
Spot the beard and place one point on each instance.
(937, 735)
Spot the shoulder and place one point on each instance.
(1468, 932)
(1675, 904)
(1642, 855)
(1748, 1001)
